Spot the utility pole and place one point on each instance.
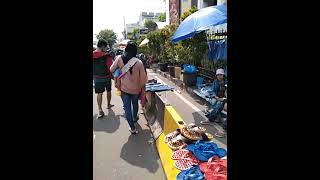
(125, 28)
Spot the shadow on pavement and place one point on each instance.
(210, 128)
(138, 152)
(109, 123)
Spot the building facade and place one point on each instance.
(131, 27)
(175, 8)
(145, 16)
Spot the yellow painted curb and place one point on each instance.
(172, 121)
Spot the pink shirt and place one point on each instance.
(131, 83)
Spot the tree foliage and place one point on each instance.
(107, 35)
(162, 17)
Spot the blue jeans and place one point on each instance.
(131, 106)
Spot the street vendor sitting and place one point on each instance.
(214, 112)
(218, 85)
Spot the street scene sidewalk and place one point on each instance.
(182, 52)
(119, 155)
(116, 153)
(191, 109)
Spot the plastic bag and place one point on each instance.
(116, 73)
(205, 150)
(187, 68)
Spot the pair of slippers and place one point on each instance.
(184, 159)
(204, 150)
(214, 169)
(101, 113)
(175, 140)
(194, 132)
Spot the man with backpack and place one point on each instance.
(102, 62)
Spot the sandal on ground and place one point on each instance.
(193, 172)
(191, 134)
(101, 114)
(194, 127)
(206, 122)
(220, 134)
(110, 106)
(170, 136)
(176, 144)
(215, 168)
(185, 160)
(135, 131)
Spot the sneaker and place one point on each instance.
(135, 131)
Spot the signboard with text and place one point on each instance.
(174, 11)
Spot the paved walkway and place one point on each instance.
(116, 153)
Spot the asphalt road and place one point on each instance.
(118, 155)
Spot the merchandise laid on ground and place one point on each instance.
(157, 87)
(217, 42)
(205, 92)
(195, 155)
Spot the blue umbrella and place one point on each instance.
(200, 21)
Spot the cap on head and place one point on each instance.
(220, 71)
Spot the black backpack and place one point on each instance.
(100, 67)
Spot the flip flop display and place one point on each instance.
(193, 132)
(205, 150)
(214, 169)
(192, 162)
(183, 164)
(178, 154)
(184, 159)
(193, 173)
(190, 134)
(176, 144)
(171, 136)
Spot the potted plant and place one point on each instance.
(184, 57)
(154, 49)
(163, 66)
(171, 68)
(167, 47)
(177, 68)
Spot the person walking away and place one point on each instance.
(143, 92)
(131, 81)
(102, 62)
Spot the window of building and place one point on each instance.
(194, 3)
(207, 3)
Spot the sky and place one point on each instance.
(108, 14)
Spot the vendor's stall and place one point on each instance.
(195, 155)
